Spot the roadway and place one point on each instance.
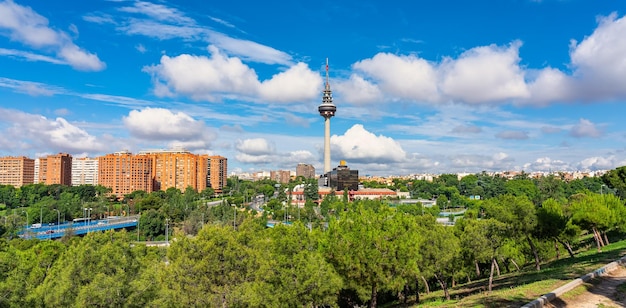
(79, 228)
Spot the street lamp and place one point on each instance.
(58, 219)
(87, 211)
(107, 207)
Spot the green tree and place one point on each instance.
(301, 274)
(616, 179)
(373, 251)
(553, 222)
(520, 216)
(102, 262)
(522, 187)
(216, 268)
(439, 249)
(152, 224)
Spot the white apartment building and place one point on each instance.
(84, 171)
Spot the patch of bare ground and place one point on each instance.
(605, 291)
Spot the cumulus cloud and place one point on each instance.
(585, 128)
(257, 151)
(547, 164)
(601, 163)
(220, 76)
(298, 83)
(493, 74)
(497, 161)
(160, 124)
(255, 146)
(357, 90)
(24, 25)
(406, 77)
(512, 135)
(40, 133)
(361, 146)
(599, 59)
(484, 74)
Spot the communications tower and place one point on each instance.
(327, 110)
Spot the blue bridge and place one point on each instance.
(79, 228)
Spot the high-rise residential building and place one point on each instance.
(56, 169)
(305, 170)
(17, 171)
(36, 173)
(217, 172)
(177, 168)
(124, 172)
(280, 176)
(84, 171)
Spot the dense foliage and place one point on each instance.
(330, 252)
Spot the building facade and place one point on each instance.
(17, 171)
(217, 172)
(343, 178)
(280, 176)
(84, 171)
(55, 169)
(177, 168)
(124, 172)
(305, 170)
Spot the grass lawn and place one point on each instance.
(516, 289)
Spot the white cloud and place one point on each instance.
(585, 128)
(163, 124)
(141, 48)
(601, 163)
(298, 83)
(550, 85)
(26, 26)
(248, 50)
(29, 56)
(255, 146)
(404, 77)
(158, 12)
(220, 77)
(30, 87)
(493, 74)
(40, 133)
(484, 74)
(357, 90)
(599, 60)
(361, 146)
(206, 78)
(547, 164)
(498, 161)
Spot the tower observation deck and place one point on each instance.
(327, 110)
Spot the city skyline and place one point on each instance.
(419, 87)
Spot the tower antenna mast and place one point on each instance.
(327, 110)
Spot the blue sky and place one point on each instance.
(420, 86)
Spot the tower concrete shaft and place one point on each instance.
(327, 110)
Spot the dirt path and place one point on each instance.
(602, 293)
